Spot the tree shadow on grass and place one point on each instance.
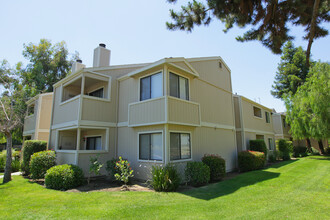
(226, 187)
(319, 157)
(283, 163)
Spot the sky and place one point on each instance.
(135, 32)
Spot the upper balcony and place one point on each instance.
(84, 98)
(29, 124)
(165, 109)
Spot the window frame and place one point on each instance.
(267, 113)
(138, 146)
(93, 136)
(169, 146)
(261, 117)
(169, 84)
(149, 75)
(284, 123)
(269, 147)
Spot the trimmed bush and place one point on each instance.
(197, 173)
(63, 177)
(299, 151)
(259, 145)
(285, 148)
(272, 157)
(29, 148)
(165, 179)
(40, 162)
(217, 166)
(250, 160)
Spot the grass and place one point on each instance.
(288, 190)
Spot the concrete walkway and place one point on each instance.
(13, 174)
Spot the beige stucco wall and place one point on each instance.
(255, 123)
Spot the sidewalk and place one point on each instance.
(13, 174)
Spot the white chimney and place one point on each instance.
(101, 56)
(77, 65)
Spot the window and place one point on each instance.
(151, 146)
(94, 143)
(179, 86)
(257, 112)
(97, 93)
(180, 147)
(267, 117)
(270, 144)
(151, 86)
(284, 123)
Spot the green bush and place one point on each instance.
(251, 160)
(197, 173)
(327, 150)
(285, 148)
(63, 177)
(125, 172)
(299, 151)
(15, 164)
(111, 167)
(272, 157)
(217, 166)
(40, 162)
(165, 179)
(29, 148)
(259, 145)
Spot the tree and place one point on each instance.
(291, 72)
(11, 111)
(48, 64)
(269, 19)
(308, 110)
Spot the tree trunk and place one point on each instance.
(321, 146)
(309, 146)
(311, 34)
(7, 174)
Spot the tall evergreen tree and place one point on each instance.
(308, 110)
(291, 72)
(47, 64)
(268, 19)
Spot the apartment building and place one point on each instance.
(253, 121)
(37, 120)
(170, 111)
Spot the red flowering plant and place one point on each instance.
(124, 171)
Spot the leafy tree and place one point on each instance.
(11, 111)
(291, 72)
(308, 110)
(268, 19)
(47, 64)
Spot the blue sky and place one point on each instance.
(135, 32)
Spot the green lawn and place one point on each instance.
(288, 190)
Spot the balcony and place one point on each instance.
(29, 123)
(156, 111)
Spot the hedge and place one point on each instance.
(217, 166)
(251, 160)
(197, 173)
(285, 148)
(29, 148)
(63, 177)
(40, 162)
(259, 145)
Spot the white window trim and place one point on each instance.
(169, 146)
(260, 111)
(85, 144)
(179, 74)
(149, 74)
(138, 146)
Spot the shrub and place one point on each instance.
(63, 177)
(250, 160)
(197, 173)
(111, 167)
(299, 151)
(94, 167)
(272, 157)
(15, 164)
(285, 147)
(259, 145)
(40, 162)
(29, 148)
(125, 172)
(2, 161)
(327, 150)
(217, 166)
(165, 179)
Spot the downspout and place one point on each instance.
(117, 118)
(51, 120)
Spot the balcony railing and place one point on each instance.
(29, 123)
